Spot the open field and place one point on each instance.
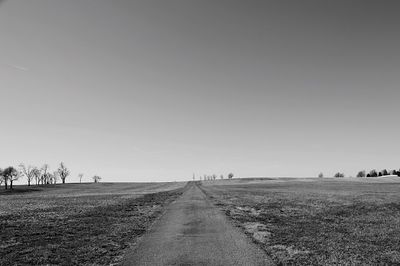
(77, 224)
(316, 221)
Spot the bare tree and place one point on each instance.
(10, 174)
(96, 178)
(63, 172)
(4, 178)
(14, 177)
(28, 172)
(50, 178)
(214, 177)
(230, 176)
(55, 177)
(44, 176)
(1, 177)
(361, 173)
(36, 174)
(222, 176)
(80, 177)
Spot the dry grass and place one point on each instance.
(90, 224)
(317, 222)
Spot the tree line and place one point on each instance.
(213, 177)
(33, 174)
(372, 173)
(37, 175)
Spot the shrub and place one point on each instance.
(373, 173)
(338, 174)
(361, 173)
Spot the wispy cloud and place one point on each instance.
(21, 68)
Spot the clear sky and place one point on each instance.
(158, 90)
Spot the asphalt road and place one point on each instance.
(194, 232)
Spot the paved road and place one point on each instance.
(194, 232)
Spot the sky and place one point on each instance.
(155, 90)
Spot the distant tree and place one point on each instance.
(321, 175)
(393, 172)
(222, 176)
(361, 173)
(368, 175)
(11, 174)
(28, 172)
(384, 172)
(56, 175)
(96, 178)
(36, 175)
(373, 173)
(63, 172)
(4, 177)
(230, 176)
(80, 177)
(44, 174)
(214, 176)
(398, 173)
(50, 178)
(14, 177)
(338, 174)
(1, 177)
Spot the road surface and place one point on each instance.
(194, 232)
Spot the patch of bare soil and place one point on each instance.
(79, 235)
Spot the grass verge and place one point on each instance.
(86, 230)
(317, 223)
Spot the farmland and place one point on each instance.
(316, 221)
(77, 224)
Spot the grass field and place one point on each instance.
(316, 221)
(78, 224)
